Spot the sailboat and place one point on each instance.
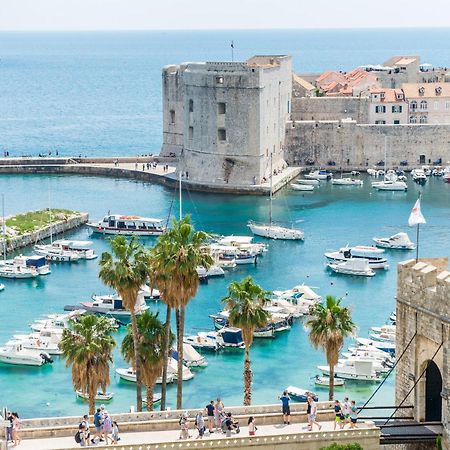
(271, 230)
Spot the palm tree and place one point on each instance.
(87, 346)
(126, 270)
(328, 326)
(152, 341)
(245, 303)
(173, 262)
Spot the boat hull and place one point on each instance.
(103, 230)
(272, 232)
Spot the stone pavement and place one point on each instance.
(152, 437)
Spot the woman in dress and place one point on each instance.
(218, 413)
(15, 430)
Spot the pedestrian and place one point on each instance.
(15, 429)
(107, 427)
(346, 411)
(9, 428)
(251, 426)
(135, 166)
(210, 414)
(143, 167)
(85, 422)
(98, 419)
(200, 424)
(312, 414)
(82, 435)
(218, 412)
(353, 415)
(115, 433)
(339, 415)
(285, 399)
(184, 426)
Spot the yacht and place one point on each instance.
(14, 353)
(389, 185)
(399, 241)
(372, 254)
(319, 175)
(302, 187)
(244, 243)
(35, 262)
(371, 353)
(358, 370)
(9, 269)
(346, 182)
(419, 176)
(56, 253)
(129, 374)
(353, 266)
(128, 225)
(112, 305)
(81, 248)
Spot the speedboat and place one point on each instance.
(112, 305)
(372, 353)
(203, 341)
(319, 175)
(129, 374)
(128, 225)
(100, 396)
(56, 322)
(213, 271)
(346, 182)
(17, 272)
(389, 185)
(399, 241)
(230, 337)
(308, 182)
(14, 353)
(300, 395)
(372, 254)
(302, 187)
(358, 370)
(33, 342)
(56, 253)
(221, 320)
(325, 381)
(388, 347)
(244, 243)
(419, 176)
(273, 231)
(230, 253)
(384, 329)
(36, 262)
(372, 172)
(354, 266)
(81, 248)
(191, 357)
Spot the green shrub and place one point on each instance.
(334, 446)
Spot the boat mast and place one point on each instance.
(4, 227)
(180, 200)
(50, 214)
(271, 188)
(385, 157)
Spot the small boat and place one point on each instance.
(399, 241)
(82, 248)
(213, 271)
(221, 320)
(14, 353)
(300, 395)
(36, 262)
(32, 342)
(191, 357)
(244, 243)
(17, 272)
(370, 353)
(354, 266)
(419, 176)
(302, 187)
(128, 225)
(273, 231)
(156, 399)
(148, 293)
(389, 185)
(233, 255)
(112, 305)
(56, 322)
(372, 254)
(384, 329)
(388, 347)
(203, 341)
(100, 397)
(230, 337)
(319, 175)
(372, 172)
(130, 375)
(353, 370)
(172, 369)
(346, 182)
(308, 182)
(325, 381)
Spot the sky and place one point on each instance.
(69, 15)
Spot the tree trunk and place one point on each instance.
(331, 386)
(180, 332)
(90, 393)
(247, 378)
(137, 359)
(166, 360)
(150, 398)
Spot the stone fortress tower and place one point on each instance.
(224, 120)
(423, 316)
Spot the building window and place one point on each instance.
(222, 134)
(380, 122)
(447, 105)
(191, 132)
(222, 108)
(396, 122)
(219, 80)
(172, 116)
(380, 109)
(191, 105)
(413, 105)
(413, 119)
(436, 106)
(423, 119)
(423, 105)
(397, 109)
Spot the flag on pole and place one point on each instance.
(416, 216)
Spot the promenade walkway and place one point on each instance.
(171, 436)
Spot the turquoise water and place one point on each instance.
(332, 217)
(100, 93)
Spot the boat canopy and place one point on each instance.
(73, 244)
(227, 240)
(36, 261)
(232, 336)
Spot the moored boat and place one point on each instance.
(128, 225)
(273, 231)
(99, 397)
(307, 182)
(372, 254)
(81, 248)
(56, 254)
(346, 182)
(359, 370)
(128, 374)
(325, 381)
(299, 394)
(302, 187)
(13, 353)
(354, 266)
(399, 241)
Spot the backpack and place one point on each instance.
(77, 437)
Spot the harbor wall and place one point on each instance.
(361, 145)
(57, 227)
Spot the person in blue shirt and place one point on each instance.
(98, 419)
(285, 399)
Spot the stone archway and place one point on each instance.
(433, 389)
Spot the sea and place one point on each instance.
(100, 94)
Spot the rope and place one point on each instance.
(387, 376)
(414, 385)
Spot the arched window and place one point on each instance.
(423, 105)
(413, 119)
(423, 119)
(413, 105)
(191, 105)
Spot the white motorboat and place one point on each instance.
(399, 241)
(302, 187)
(100, 396)
(380, 345)
(156, 399)
(354, 267)
(57, 322)
(191, 357)
(129, 374)
(32, 342)
(213, 271)
(2, 287)
(307, 182)
(372, 254)
(389, 185)
(112, 305)
(346, 182)
(419, 176)
(299, 394)
(57, 254)
(36, 262)
(14, 353)
(128, 225)
(17, 272)
(318, 175)
(81, 248)
(372, 172)
(372, 352)
(384, 329)
(221, 320)
(203, 341)
(325, 381)
(378, 366)
(172, 369)
(355, 370)
(233, 255)
(148, 293)
(244, 243)
(382, 336)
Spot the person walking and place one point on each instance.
(15, 429)
(85, 422)
(9, 428)
(312, 405)
(107, 427)
(98, 420)
(286, 410)
(200, 424)
(339, 415)
(346, 411)
(210, 414)
(115, 433)
(353, 415)
(184, 426)
(251, 426)
(218, 413)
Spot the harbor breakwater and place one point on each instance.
(13, 243)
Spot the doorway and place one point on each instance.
(433, 389)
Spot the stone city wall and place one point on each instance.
(359, 145)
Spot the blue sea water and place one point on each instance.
(99, 94)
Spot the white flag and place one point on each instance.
(416, 216)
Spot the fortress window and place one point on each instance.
(219, 80)
(191, 132)
(191, 105)
(222, 134)
(222, 108)
(172, 116)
